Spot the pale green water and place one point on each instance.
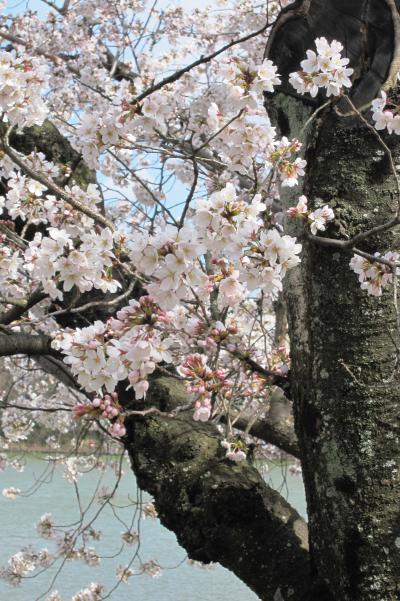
(183, 583)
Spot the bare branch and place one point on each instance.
(272, 376)
(281, 435)
(12, 236)
(25, 344)
(64, 8)
(191, 192)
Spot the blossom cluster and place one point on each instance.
(226, 222)
(170, 258)
(235, 450)
(55, 260)
(323, 69)
(234, 229)
(98, 132)
(317, 219)
(281, 159)
(23, 562)
(204, 383)
(45, 526)
(124, 573)
(127, 346)
(151, 568)
(250, 81)
(107, 408)
(29, 200)
(11, 492)
(375, 276)
(384, 114)
(268, 260)
(23, 80)
(94, 592)
(72, 253)
(229, 228)
(24, 199)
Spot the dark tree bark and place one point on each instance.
(368, 29)
(220, 512)
(344, 344)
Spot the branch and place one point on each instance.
(32, 409)
(281, 435)
(16, 312)
(12, 236)
(58, 369)
(277, 379)
(25, 344)
(52, 186)
(201, 61)
(39, 346)
(219, 511)
(191, 192)
(63, 10)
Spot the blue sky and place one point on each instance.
(16, 6)
(178, 191)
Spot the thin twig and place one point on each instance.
(201, 61)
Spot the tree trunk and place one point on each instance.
(345, 381)
(344, 344)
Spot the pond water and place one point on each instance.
(179, 581)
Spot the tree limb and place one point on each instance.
(16, 312)
(219, 511)
(53, 187)
(281, 435)
(201, 61)
(25, 344)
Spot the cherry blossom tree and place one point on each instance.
(173, 183)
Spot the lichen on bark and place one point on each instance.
(219, 511)
(345, 382)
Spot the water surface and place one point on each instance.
(179, 581)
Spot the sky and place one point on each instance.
(16, 6)
(178, 191)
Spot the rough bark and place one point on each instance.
(345, 382)
(13, 314)
(345, 379)
(56, 148)
(220, 511)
